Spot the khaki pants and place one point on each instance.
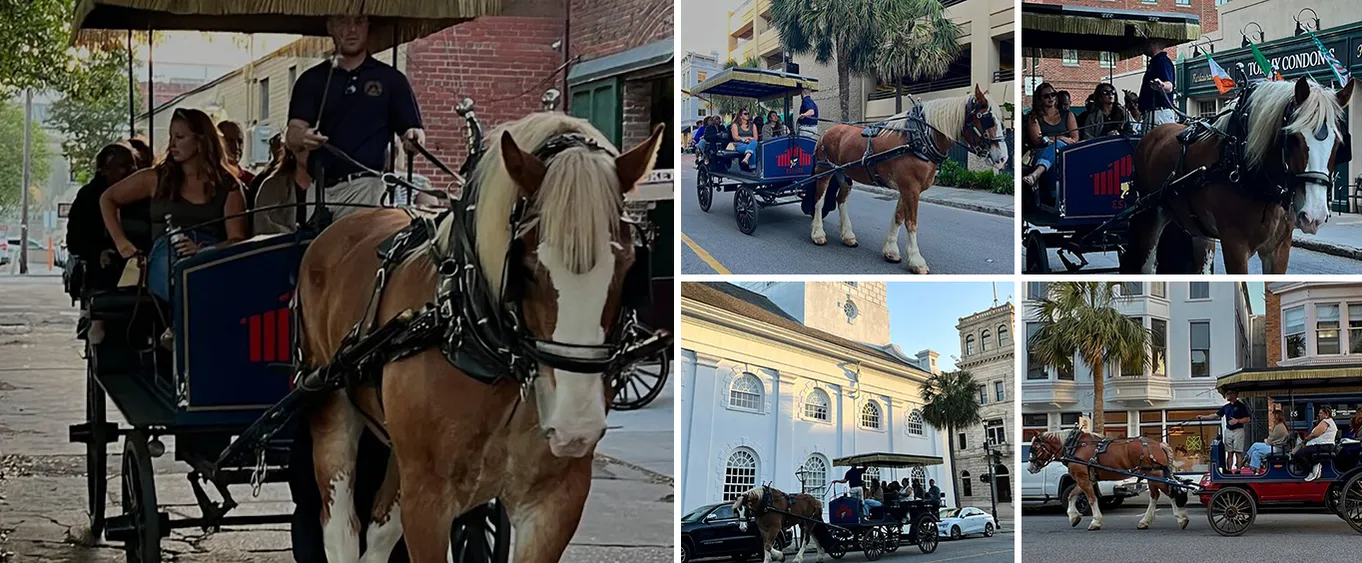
(361, 191)
(810, 130)
(1162, 116)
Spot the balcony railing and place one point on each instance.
(1004, 75)
(887, 92)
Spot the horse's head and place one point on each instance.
(1312, 145)
(565, 269)
(982, 132)
(745, 505)
(1045, 448)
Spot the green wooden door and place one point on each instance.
(599, 103)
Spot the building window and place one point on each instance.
(740, 473)
(1070, 57)
(1149, 1)
(996, 432)
(1354, 328)
(292, 77)
(264, 98)
(1134, 368)
(915, 426)
(1158, 335)
(1034, 425)
(1067, 420)
(1199, 290)
(983, 341)
(1201, 348)
(815, 475)
(966, 488)
(700, 76)
(999, 391)
(1034, 369)
(1326, 329)
(701, 112)
(1107, 59)
(745, 393)
(851, 283)
(983, 394)
(816, 406)
(969, 345)
(1158, 289)
(1037, 290)
(1130, 289)
(1293, 323)
(1205, 108)
(920, 475)
(1184, 2)
(871, 474)
(870, 415)
(961, 444)
(1002, 336)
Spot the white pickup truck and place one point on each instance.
(1051, 486)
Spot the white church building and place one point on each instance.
(778, 379)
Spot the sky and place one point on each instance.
(704, 26)
(1256, 298)
(924, 315)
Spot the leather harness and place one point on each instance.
(919, 138)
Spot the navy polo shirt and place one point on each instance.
(1233, 410)
(1152, 98)
(364, 109)
(805, 105)
(853, 477)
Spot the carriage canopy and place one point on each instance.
(1300, 381)
(754, 83)
(1049, 29)
(884, 459)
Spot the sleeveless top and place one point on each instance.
(749, 131)
(1055, 130)
(186, 214)
(1330, 432)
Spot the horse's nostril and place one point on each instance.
(549, 432)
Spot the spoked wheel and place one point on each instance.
(745, 209)
(643, 383)
(872, 543)
(1037, 257)
(1232, 511)
(894, 537)
(96, 452)
(143, 543)
(482, 535)
(841, 538)
(927, 539)
(704, 188)
(1350, 502)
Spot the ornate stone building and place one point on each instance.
(987, 352)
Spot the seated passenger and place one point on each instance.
(744, 135)
(1275, 440)
(699, 133)
(287, 185)
(773, 127)
(86, 236)
(1105, 116)
(1049, 127)
(716, 135)
(1321, 438)
(1355, 426)
(192, 185)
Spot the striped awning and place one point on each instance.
(883, 459)
(1050, 29)
(754, 83)
(1299, 380)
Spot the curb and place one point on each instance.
(652, 475)
(1335, 249)
(968, 206)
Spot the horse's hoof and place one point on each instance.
(920, 270)
(1142, 526)
(1073, 522)
(893, 258)
(1093, 527)
(851, 243)
(820, 241)
(1184, 522)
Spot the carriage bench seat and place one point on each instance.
(119, 305)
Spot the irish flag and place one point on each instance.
(1268, 70)
(1222, 79)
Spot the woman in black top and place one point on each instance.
(1105, 117)
(1049, 126)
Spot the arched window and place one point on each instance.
(870, 473)
(817, 406)
(745, 393)
(969, 344)
(965, 488)
(1002, 336)
(740, 473)
(815, 475)
(915, 426)
(870, 415)
(921, 476)
(983, 340)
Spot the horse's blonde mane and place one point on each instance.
(577, 208)
(1267, 102)
(947, 115)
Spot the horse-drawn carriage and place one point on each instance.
(880, 529)
(220, 366)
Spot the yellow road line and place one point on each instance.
(718, 268)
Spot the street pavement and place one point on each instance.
(1302, 261)
(952, 240)
(629, 515)
(1278, 535)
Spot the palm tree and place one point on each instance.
(850, 31)
(1081, 318)
(728, 105)
(923, 47)
(951, 401)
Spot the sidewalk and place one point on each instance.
(1341, 236)
(972, 200)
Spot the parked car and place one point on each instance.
(1051, 487)
(712, 531)
(957, 523)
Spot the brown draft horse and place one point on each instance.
(1299, 154)
(772, 524)
(968, 118)
(458, 443)
(1136, 455)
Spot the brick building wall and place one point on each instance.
(1080, 80)
(606, 27)
(1272, 326)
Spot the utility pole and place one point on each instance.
(23, 189)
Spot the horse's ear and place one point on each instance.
(637, 163)
(1345, 93)
(1302, 91)
(524, 168)
(979, 95)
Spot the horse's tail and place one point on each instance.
(1173, 464)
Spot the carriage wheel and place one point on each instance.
(1037, 257)
(482, 535)
(841, 538)
(704, 188)
(643, 384)
(96, 452)
(872, 543)
(139, 501)
(1231, 511)
(745, 208)
(894, 537)
(1350, 502)
(927, 539)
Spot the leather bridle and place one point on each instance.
(977, 122)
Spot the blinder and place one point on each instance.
(982, 121)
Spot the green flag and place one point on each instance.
(1268, 70)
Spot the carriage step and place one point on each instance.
(83, 433)
(121, 528)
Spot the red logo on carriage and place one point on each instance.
(844, 512)
(1108, 182)
(268, 334)
(792, 157)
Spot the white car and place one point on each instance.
(960, 522)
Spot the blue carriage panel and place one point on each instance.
(1093, 177)
(844, 510)
(787, 158)
(232, 323)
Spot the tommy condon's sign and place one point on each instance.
(1295, 60)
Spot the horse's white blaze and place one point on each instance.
(1315, 207)
(341, 542)
(575, 401)
(382, 537)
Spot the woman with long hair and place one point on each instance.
(1105, 117)
(744, 134)
(192, 184)
(1276, 439)
(287, 184)
(1049, 126)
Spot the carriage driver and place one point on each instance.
(368, 102)
(856, 484)
(1236, 415)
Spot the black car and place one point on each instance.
(712, 531)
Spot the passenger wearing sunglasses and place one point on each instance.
(1104, 116)
(744, 134)
(1049, 126)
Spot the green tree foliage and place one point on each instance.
(93, 111)
(729, 105)
(951, 402)
(33, 43)
(12, 156)
(921, 48)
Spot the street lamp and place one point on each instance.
(1244, 34)
(1208, 44)
(992, 457)
(1302, 27)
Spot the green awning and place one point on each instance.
(638, 58)
(884, 459)
(1050, 29)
